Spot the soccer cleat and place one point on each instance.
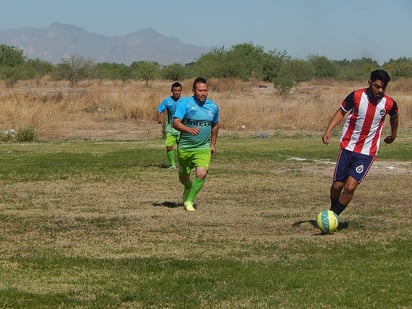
(173, 167)
(188, 205)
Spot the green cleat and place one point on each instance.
(188, 205)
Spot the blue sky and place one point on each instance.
(337, 29)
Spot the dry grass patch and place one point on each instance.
(101, 109)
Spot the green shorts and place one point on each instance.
(171, 139)
(191, 159)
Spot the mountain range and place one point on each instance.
(61, 40)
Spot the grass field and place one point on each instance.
(100, 224)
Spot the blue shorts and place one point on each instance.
(352, 164)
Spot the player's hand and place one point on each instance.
(194, 131)
(389, 139)
(326, 138)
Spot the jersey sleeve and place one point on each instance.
(180, 110)
(394, 110)
(162, 106)
(216, 118)
(348, 102)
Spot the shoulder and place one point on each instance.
(211, 102)
(392, 106)
(355, 96)
(358, 93)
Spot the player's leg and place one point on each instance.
(348, 191)
(359, 168)
(170, 142)
(340, 176)
(201, 161)
(185, 168)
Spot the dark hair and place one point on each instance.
(381, 75)
(176, 84)
(199, 80)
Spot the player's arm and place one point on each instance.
(394, 122)
(335, 120)
(178, 125)
(159, 117)
(213, 137)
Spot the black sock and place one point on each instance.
(332, 202)
(337, 208)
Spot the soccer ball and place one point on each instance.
(327, 221)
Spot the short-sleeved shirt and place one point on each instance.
(195, 114)
(362, 130)
(170, 105)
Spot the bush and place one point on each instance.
(26, 135)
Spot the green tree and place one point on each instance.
(244, 61)
(356, 69)
(323, 67)
(107, 70)
(174, 71)
(209, 64)
(11, 61)
(271, 63)
(145, 70)
(35, 68)
(10, 56)
(399, 68)
(73, 69)
(298, 70)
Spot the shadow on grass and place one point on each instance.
(168, 204)
(341, 226)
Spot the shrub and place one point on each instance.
(27, 134)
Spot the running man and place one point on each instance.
(197, 118)
(172, 135)
(360, 137)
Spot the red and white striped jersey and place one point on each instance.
(362, 130)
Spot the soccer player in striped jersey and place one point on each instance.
(360, 137)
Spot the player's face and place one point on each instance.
(200, 92)
(176, 92)
(377, 88)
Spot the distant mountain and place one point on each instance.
(60, 40)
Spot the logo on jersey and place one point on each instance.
(382, 112)
(359, 169)
(192, 111)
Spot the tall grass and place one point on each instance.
(56, 110)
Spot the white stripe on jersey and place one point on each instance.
(367, 138)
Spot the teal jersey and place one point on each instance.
(195, 114)
(170, 106)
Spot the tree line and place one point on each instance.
(242, 61)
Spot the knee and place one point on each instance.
(201, 173)
(337, 186)
(184, 178)
(350, 188)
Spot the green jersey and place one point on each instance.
(195, 114)
(170, 105)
